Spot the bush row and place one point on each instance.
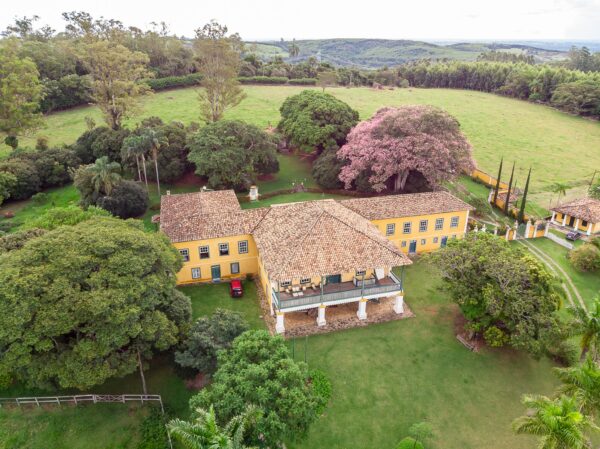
(171, 82)
(273, 80)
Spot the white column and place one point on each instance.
(466, 222)
(399, 304)
(527, 229)
(490, 195)
(564, 223)
(321, 318)
(553, 217)
(362, 309)
(576, 227)
(546, 229)
(506, 236)
(279, 326)
(589, 229)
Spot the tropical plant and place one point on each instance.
(134, 147)
(560, 188)
(396, 142)
(204, 432)
(156, 140)
(587, 325)
(557, 422)
(583, 383)
(421, 432)
(105, 175)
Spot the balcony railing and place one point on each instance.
(356, 292)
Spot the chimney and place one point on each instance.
(168, 192)
(253, 193)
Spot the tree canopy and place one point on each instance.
(505, 294)
(231, 154)
(316, 121)
(80, 302)
(398, 141)
(259, 371)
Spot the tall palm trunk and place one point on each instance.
(144, 166)
(400, 180)
(155, 155)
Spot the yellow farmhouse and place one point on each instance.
(310, 254)
(580, 215)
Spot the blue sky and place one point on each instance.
(398, 19)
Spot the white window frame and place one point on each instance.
(241, 244)
(361, 272)
(423, 242)
(185, 254)
(231, 267)
(403, 244)
(407, 227)
(207, 252)
(221, 249)
(423, 225)
(305, 280)
(198, 273)
(439, 224)
(390, 229)
(285, 284)
(454, 221)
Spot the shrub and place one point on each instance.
(326, 170)
(263, 79)
(171, 82)
(53, 165)
(585, 258)
(153, 430)
(409, 443)
(41, 143)
(128, 199)
(565, 352)
(495, 337)
(207, 336)
(61, 216)
(66, 92)
(83, 145)
(27, 178)
(39, 198)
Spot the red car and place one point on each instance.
(235, 288)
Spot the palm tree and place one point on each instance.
(560, 188)
(133, 147)
(583, 383)
(105, 175)
(204, 432)
(156, 141)
(558, 422)
(587, 325)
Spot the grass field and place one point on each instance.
(558, 146)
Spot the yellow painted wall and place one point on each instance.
(558, 218)
(429, 235)
(248, 262)
(488, 179)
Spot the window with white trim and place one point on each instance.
(423, 225)
(423, 241)
(305, 280)
(235, 268)
(439, 224)
(454, 222)
(285, 284)
(403, 244)
(185, 254)
(223, 249)
(361, 272)
(407, 227)
(195, 273)
(204, 252)
(435, 240)
(390, 229)
(243, 247)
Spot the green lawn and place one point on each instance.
(588, 284)
(558, 146)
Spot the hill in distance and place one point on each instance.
(374, 53)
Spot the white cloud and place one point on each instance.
(398, 19)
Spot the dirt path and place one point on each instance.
(556, 269)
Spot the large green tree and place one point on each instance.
(8, 181)
(505, 294)
(259, 371)
(218, 56)
(20, 93)
(316, 121)
(231, 153)
(557, 422)
(84, 303)
(117, 79)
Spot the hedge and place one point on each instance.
(263, 79)
(303, 81)
(170, 82)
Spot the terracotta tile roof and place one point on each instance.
(319, 238)
(205, 215)
(514, 196)
(587, 209)
(406, 205)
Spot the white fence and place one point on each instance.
(81, 399)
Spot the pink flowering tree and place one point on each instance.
(398, 141)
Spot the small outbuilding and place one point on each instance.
(582, 215)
